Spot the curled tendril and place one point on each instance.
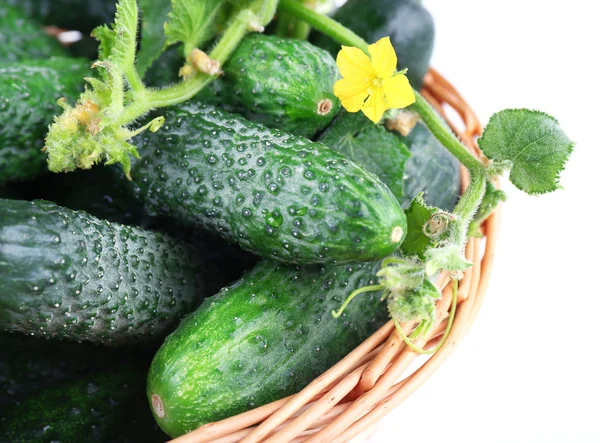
(437, 225)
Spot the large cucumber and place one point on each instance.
(22, 39)
(67, 274)
(263, 338)
(29, 91)
(282, 83)
(101, 407)
(408, 24)
(280, 196)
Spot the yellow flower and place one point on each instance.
(369, 84)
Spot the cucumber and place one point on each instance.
(282, 83)
(69, 275)
(263, 338)
(29, 92)
(408, 24)
(431, 169)
(21, 39)
(101, 407)
(277, 195)
(69, 14)
(372, 146)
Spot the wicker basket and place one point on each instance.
(345, 402)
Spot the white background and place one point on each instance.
(528, 370)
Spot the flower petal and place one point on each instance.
(397, 91)
(383, 57)
(352, 92)
(352, 62)
(375, 105)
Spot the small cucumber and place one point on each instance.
(101, 407)
(29, 92)
(66, 274)
(263, 338)
(277, 195)
(69, 14)
(21, 38)
(408, 24)
(282, 83)
(431, 169)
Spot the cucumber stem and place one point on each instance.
(469, 202)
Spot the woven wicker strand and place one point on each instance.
(344, 403)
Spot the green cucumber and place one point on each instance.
(277, 195)
(21, 39)
(431, 169)
(69, 14)
(372, 146)
(101, 407)
(282, 83)
(29, 91)
(69, 275)
(408, 24)
(263, 338)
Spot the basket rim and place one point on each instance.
(347, 400)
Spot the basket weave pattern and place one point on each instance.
(345, 402)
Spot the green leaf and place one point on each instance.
(414, 305)
(154, 16)
(419, 235)
(369, 145)
(106, 37)
(192, 22)
(492, 198)
(125, 28)
(533, 142)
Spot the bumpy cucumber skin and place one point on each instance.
(263, 338)
(277, 195)
(408, 24)
(69, 14)
(431, 169)
(69, 275)
(21, 39)
(282, 83)
(101, 407)
(28, 94)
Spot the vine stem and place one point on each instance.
(244, 22)
(469, 202)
